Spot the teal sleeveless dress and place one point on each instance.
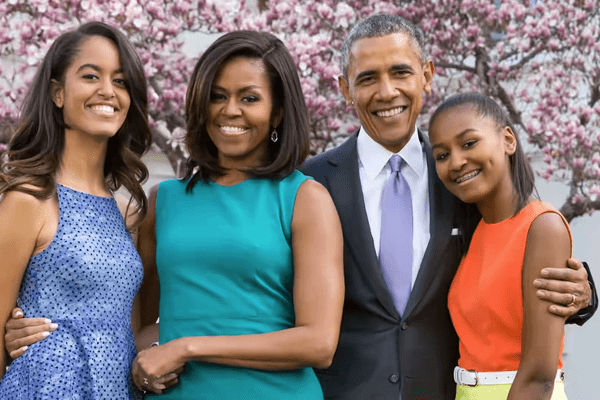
(224, 260)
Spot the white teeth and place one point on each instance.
(468, 176)
(390, 113)
(232, 129)
(104, 109)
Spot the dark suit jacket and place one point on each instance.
(381, 354)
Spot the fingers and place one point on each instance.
(18, 352)
(18, 339)
(170, 379)
(564, 312)
(565, 274)
(567, 298)
(22, 323)
(17, 313)
(558, 299)
(575, 264)
(171, 382)
(557, 286)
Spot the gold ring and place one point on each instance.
(572, 300)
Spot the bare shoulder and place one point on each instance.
(313, 206)
(311, 191)
(26, 216)
(549, 228)
(548, 243)
(22, 202)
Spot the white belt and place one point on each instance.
(472, 378)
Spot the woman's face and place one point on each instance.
(93, 96)
(240, 113)
(472, 154)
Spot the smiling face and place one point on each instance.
(93, 96)
(240, 113)
(385, 84)
(471, 155)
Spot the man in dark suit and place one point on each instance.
(394, 345)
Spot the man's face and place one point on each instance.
(385, 85)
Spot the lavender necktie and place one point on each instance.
(396, 241)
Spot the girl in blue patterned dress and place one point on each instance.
(65, 250)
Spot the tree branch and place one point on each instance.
(572, 211)
(459, 67)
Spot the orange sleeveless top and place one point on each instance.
(485, 299)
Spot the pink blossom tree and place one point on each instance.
(539, 59)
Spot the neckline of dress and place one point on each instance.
(85, 193)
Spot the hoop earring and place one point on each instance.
(274, 135)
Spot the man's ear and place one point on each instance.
(345, 89)
(57, 93)
(510, 140)
(428, 72)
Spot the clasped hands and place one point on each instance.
(156, 368)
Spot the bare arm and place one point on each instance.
(548, 245)
(21, 221)
(149, 293)
(318, 298)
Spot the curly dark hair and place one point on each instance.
(37, 145)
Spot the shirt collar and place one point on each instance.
(373, 157)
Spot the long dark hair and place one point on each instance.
(292, 147)
(523, 177)
(37, 145)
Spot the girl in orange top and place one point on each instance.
(510, 344)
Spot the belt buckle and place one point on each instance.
(458, 374)
(476, 380)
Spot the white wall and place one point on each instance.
(582, 344)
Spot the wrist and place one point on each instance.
(182, 349)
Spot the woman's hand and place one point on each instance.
(157, 368)
(23, 332)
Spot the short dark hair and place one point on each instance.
(522, 174)
(38, 142)
(285, 155)
(382, 25)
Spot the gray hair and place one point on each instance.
(382, 25)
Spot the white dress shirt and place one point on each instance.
(374, 173)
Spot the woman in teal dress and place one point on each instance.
(245, 251)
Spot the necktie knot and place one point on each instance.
(395, 163)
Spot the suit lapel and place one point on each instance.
(346, 191)
(440, 227)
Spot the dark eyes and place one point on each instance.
(368, 79)
(216, 97)
(469, 143)
(441, 156)
(118, 81)
(402, 73)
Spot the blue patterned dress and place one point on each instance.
(85, 281)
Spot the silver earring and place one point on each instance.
(274, 135)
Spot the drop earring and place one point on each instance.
(274, 135)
